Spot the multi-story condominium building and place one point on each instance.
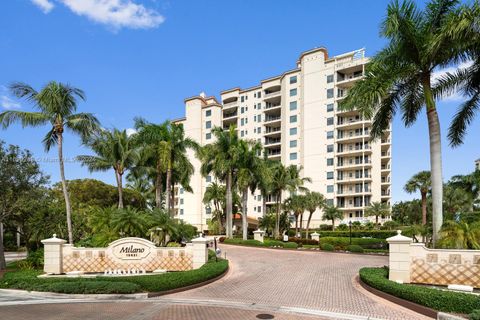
(296, 117)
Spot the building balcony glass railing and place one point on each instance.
(272, 105)
(357, 178)
(272, 129)
(385, 154)
(230, 115)
(272, 118)
(274, 152)
(385, 180)
(355, 163)
(272, 141)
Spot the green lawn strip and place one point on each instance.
(27, 280)
(436, 299)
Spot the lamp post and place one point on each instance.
(350, 226)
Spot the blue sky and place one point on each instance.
(142, 58)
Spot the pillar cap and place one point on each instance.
(54, 240)
(258, 231)
(199, 240)
(399, 238)
(315, 234)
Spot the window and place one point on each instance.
(208, 136)
(330, 188)
(330, 162)
(330, 121)
(293, 79)
(330, 78)
(329, 175)
(293, 105)
(242, 133)
(293, 131)
(259, 209)
(208, 210)
(181, 190)
(293, 119)
(259, 130)
(259, 106)
(330, 148)
(209, 179)
(329, 107)
(246, 120)
(329, 134)
(329, 202)
(259, 94)
(293, 156)
(242, 98)
(181, 201)
(242, 122)
(181, 211)
(293, 92)
(208, 124)
(208, 113)
(329, 93)
(293, 143)
(242, 110)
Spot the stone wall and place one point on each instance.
(414, 263)
(123, 254)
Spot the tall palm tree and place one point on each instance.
(264, 179)
(332, 213)
(114, 150)
(314, 200)
(56, 103)
(399, 77)
(250, 168)
(141, 183)
(285, 179)
(420, 182)
(377, 209)
(296, 203)
(129, 222)
(222, 159)
(215, 193)
(155, 153)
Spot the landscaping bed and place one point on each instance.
(28, 280)
(440, 300)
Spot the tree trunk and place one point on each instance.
(424, 208)
(19, 242)
(435, 160)
(158, 189)
(120, 189)
(264, 205)
(65, 189)
(277, 220)
(376, 221)
(308, 223)
(296, 225)
(333, 224)
(301, 224)
(244, 214)
(168, 190)
(229, 231)
(3, 263)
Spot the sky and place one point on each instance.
(143, 58)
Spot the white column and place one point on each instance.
(53, 255)
(199, 252)
(399, 258)
(258, 235)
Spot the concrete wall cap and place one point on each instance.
(315, 234)
(259, 231)
(399, 238)
(53, 240)
(199, 240)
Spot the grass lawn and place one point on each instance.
(28, 280)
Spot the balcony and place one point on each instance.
(385, 167)
(345, 180)
(347, 80)
(356, 150)
(274, 153)
(272, 107)
(270, 199)
(347, 164)
(385, 180)
(353, 137)
(352, 192)
(230, 105)
(385, 154)
(352, 123)
(272, 142)
(386, 141)
(272, 131)
(228, 115)
(385, 193)
(272, 119)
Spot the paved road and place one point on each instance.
(285, 284)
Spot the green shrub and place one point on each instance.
(173, 244)
(303, 241)
(474, 315)
(342, 227)
(355, 248)
(25, 265)
(378, 234)
(440, 300)
(248, 242)
(35, 258)
(341, 243)
(327, 247)
(290, 245)
(273, 243)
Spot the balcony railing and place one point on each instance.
(385, 153)
(272, 141)
(271, 130)
(271, 94)
(275, 152)
(270, 118)
(230, 104)
(356, 163)
(229, 115)
(272, 105)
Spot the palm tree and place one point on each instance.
(155, 153)
(129, 222)
(285, 179)
(297, 204)
(264, 178)
(250, 168)
(399, 76)
(314, 200)
(141, 183)
(162, 226)
(420, 182)
(460, 235)
(56, 104)
(115, 149)
(377, 209)
(222, 159)
(215, 193)
(332, 213)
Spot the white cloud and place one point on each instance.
(8, 104)
(457, 96)
(131, 131)
(45, 5)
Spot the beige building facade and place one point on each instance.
(296, 117)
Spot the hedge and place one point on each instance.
(439, 300)
(266, 243)
(327, 247)
(378, 234)
(28, 280)
(366, 243)
(355, 248)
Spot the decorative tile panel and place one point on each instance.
(445, 273)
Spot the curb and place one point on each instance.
(54, 295)
(190, 287)
(402, 302)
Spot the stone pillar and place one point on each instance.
(258, 235)
(399, 258)
(53, 255)
(315, 236)
(199, 252)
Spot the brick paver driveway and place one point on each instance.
(284, 284)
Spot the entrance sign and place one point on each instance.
(132, 248)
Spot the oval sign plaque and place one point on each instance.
(131, 249)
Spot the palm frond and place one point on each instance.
(33, 119)
(462, 119)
